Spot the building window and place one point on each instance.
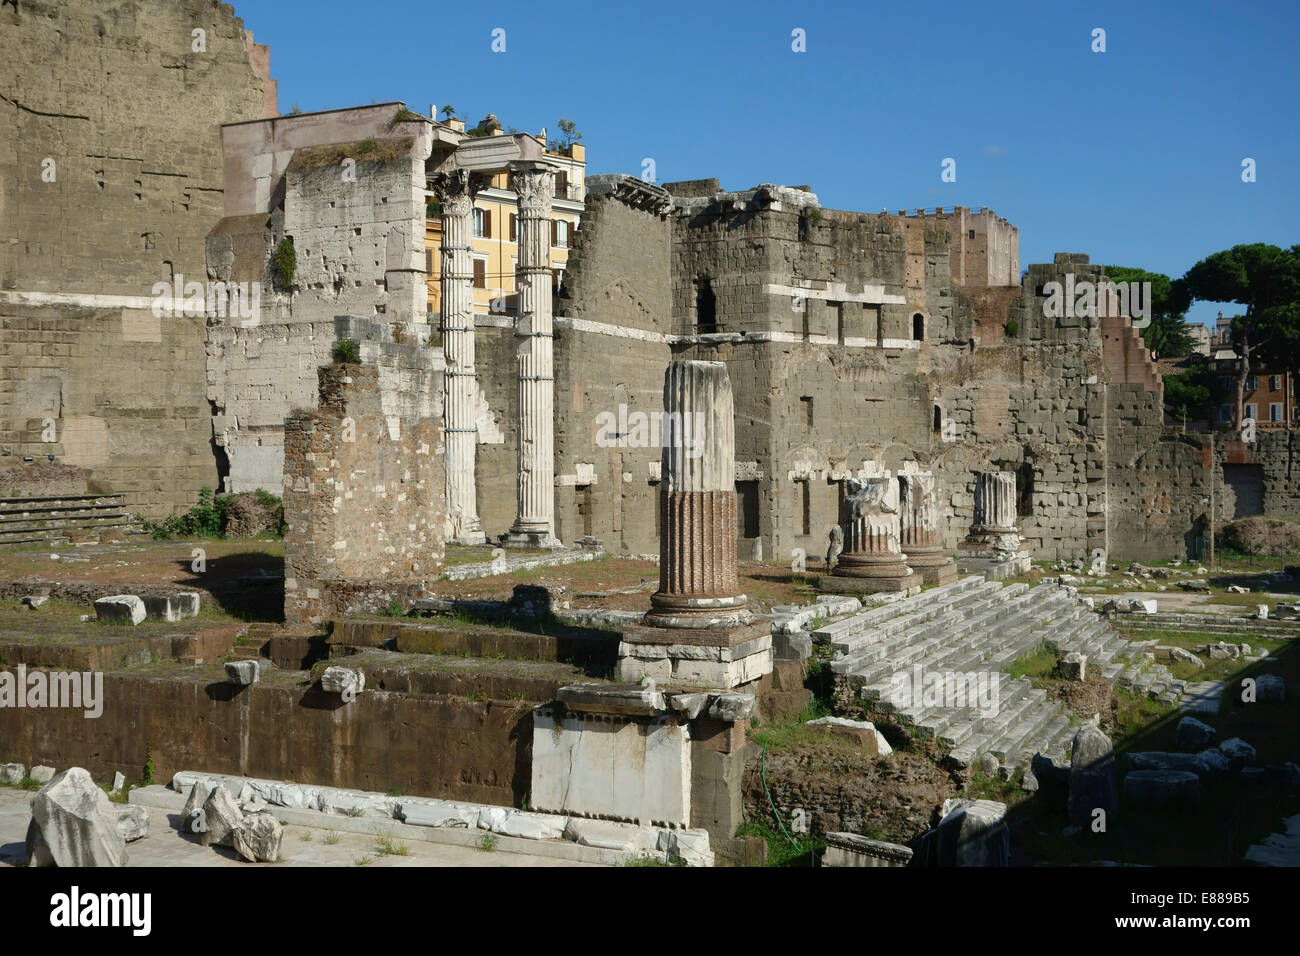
(938, 420)
(706, 306)
(747, 508)
(972, 233)
(480, 273)
(1252, 383)
(561, 185)
(561, 234)
(514, 227)
(586, 513)
(918, 327)
(1252, 411)
(1275, 412)
(480, 223)
(1025, 490)
(1275, 383)
(807, 402)
(805, 496)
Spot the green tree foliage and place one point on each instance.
(1266, 280)
(568, 134)
(1166, 336)
(1192, 392)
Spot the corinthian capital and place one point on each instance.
(456, 190)
(535, 186)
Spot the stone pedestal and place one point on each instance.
(918, 520)
(994, 546)
(698, 631)
(456, 191)
(872, 560)
(534, 525)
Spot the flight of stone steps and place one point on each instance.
(974, 626)
(59, 519)
(1231, 627)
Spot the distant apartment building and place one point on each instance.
(495, 240)
(1270, 397)
(1201, 338)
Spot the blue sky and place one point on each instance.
(1132, 155)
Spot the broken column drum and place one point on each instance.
(871, 535)
(534, 524)
(919, 529)
(697, 502)
(995, 503)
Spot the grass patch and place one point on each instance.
(1039, 664)
(331, 838)
(780, 851)
(306, 837)
(488, 842)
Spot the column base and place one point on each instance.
(995, 565)
(935, 567)
(542, 540)
(713, 658)
(469, 532)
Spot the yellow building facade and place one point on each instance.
(496, 249)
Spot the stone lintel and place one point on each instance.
(622, 699)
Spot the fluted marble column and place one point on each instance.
(918, 520)
(456, 191)
(697, 502)
(535, 519)
(872, 547)
(995, 503)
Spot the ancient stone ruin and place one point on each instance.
(557, 454)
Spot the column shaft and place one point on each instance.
(460, 381)
(535, 519)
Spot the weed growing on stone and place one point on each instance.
(388, 846)
(331, 838)
(306, 837)
(353, 811)
(488, 843)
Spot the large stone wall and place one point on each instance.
(110, 176)
(455, 749)
(346, 187)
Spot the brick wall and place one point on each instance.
(364, 500)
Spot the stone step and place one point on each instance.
(846, 627)
(966, 603)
